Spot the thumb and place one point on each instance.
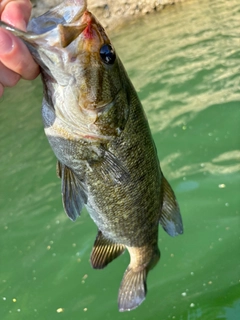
(16, 13)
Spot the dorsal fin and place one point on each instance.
(104, 251)
(170, 217)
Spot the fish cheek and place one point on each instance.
(113, 120)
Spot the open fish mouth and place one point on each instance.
(65, 34)
(68, 12)
(60, 26)
(57, 27)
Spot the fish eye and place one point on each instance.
(107, 54)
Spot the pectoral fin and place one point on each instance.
(170, 217)
(59, 169)
(73, 195)
(104, 251)
(110, 168)
(113, 169)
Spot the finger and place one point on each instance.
(1, 90)
(15, 56)
(16, 13)
(8, 78)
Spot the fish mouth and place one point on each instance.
(67, 13)
(58, 27)
(67, 34)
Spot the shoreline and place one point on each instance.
(111, 13)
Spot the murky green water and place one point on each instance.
(185, 63)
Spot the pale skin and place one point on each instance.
(16, 61)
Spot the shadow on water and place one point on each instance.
(184, 62)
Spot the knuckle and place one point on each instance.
(14, 80)
(11, 81)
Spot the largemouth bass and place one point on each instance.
(96, 126)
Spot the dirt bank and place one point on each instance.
(111, 13)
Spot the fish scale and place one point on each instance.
(97, 128)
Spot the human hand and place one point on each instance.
(15, 59)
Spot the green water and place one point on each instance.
(185, 64)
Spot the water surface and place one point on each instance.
(184, 62)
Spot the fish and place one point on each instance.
(106, 157)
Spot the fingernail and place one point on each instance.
(6, 43)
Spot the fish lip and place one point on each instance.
(94, 28)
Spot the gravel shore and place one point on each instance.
(111, 13)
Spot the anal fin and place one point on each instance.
(104, 251)
(170, 216)
(133, 289)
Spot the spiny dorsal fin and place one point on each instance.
(133, 289)
(170, 217)
(104, 251)
(73, 196)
